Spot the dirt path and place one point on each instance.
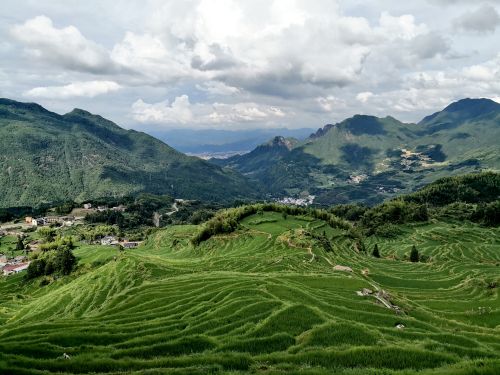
(309, 249)
(174, 208)
(269, 235)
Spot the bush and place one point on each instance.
(414, 256)
(57, 258)
(396, 211)
(387, 231)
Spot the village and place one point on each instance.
(303, 201)
(15, 258)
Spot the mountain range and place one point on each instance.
(47, 157)
(368, 158)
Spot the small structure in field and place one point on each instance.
(342, 268)
(109, 241)
(364, 292)
(130, 244)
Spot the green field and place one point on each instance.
(264, 299)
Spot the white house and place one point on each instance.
(109, 240)
(15, 268)
(39, 222)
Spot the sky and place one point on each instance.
(246, 64)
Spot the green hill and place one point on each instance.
(265, 299)
(368, 159)
(47, 157)
(472, 188)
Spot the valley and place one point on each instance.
(249, 187)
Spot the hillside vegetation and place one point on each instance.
(47, 157)
(278, 293)
(368, 159)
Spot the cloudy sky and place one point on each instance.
(240, 64)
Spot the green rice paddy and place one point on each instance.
(264, 299)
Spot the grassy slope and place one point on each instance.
(254, 301)
(48, 157)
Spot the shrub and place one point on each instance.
(58, 260)
(414, 256)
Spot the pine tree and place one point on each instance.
(376, 253)
(414, 256)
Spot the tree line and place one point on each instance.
(227, 221)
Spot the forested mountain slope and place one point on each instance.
(49, 157)
(368, 159)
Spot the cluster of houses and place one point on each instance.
(47, 220)
(297, 201)
(114, 241)
(67, 220)
(88, 206)
(10, 266)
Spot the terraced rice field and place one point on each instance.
(265, 299)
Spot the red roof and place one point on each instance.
(13, 267)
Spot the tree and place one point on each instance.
(36, 268)
(284, 215)
(375, 252)
(47, 234)
(414, 256)
(20, 243)
(66, 261)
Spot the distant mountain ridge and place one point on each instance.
(49, 157)
(367, 158)
(213, 141)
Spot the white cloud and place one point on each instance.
(242, 112)
(426, 46)
(330, 103)
(483, 19)
(252, 63)
(75, 89)
(217, 88)
(427, 91)
(181, 111)
(65, 47)
(153, 58)
(363, 97)
(400, 27)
